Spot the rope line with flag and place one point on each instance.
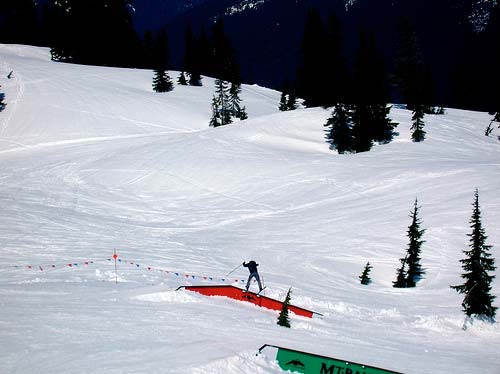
(118, 260)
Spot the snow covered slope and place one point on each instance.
(92, 160)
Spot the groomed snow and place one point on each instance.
(92, 160)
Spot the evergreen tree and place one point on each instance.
(283, 318)
(283, 106)
(411, 271)
(382, 126)
(439, 110)
(161, 81)
(215, 120)
(292, 100)
(415, 234)
(340, 123)
(195, 79)
(235, 100)
(182, 79)
(221, 111)
(365, 276)
(283, 102)
(401, 278)
(418, 133)
(477, 266)
(243, 114)
(362, 140)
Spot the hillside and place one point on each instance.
(93, 161)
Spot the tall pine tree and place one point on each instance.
(235, 100)
(283, 318)
(340, 134)
(215, 120)
(221, 110)
(477, 266)
(418, 133)
(415, 233)
(411, 271)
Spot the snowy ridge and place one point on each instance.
(92, 160)
(244, 6)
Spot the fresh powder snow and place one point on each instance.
(93, 161)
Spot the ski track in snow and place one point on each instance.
(93, 161)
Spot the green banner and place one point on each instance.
(308, 363)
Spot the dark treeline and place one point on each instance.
(428, 49)
(101, 32)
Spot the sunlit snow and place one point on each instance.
(93, 161)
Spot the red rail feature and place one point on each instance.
(250, 297)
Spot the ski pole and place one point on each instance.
(232, 271)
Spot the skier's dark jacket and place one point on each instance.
(252, 266)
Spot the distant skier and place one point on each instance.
(10, 76)
(252, 268)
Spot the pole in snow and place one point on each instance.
(115, 256)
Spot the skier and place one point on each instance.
(10, 76)
(252, 268)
